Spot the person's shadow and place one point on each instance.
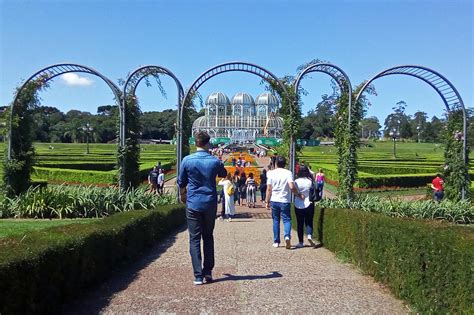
(229, 277)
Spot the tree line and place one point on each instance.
(52, 125)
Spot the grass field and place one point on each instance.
(68, 162)
(415, 164)
(18, 227)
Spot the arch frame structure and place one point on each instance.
(50, 72)
(335, 72)
(445, 89)
(130, 87)
(338, 75)
(234, 66)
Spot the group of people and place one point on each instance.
(156, 179)
(197, 188)
(240, 162)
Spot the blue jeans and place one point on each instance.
(320, 187)
(281, 209)
(201, 224)
(304, 217)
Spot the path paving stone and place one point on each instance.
(251, 277)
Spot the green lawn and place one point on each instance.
(18, 227)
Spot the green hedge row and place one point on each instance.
(40, 271)
(74, 176)
(84, 176)
(88, 166)
(429, 264)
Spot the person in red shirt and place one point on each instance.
(438, 187)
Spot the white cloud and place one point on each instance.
(75, 80)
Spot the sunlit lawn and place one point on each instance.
(20, 227)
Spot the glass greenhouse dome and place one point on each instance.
(242, 120)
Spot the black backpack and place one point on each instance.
(314, 193)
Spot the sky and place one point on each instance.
(363, 37)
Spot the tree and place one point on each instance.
(418, 125)
(370, 127)
(398, 121)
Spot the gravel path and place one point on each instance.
(251, 277)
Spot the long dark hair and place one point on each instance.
(304, 172)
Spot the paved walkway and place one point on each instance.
(251, 277)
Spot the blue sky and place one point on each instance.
(188, 37)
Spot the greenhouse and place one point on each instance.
(241, 120)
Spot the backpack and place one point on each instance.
(230, 190)
(314, 193)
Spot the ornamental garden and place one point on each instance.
(62, 209)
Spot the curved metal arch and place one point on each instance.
(449, 94)
(238, 66)
(50, 72)
(341, 78)
(132, 83)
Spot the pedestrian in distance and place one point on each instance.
(438, 188)
(153, 180)
(242, 188)
(197, 188)
(229, 190)
(280, 184)
(304, 208)
(161, 181)
(251, 191)
(263, 185)
(320, 179)
(221, 200)
(236, 181)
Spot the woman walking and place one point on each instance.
(304, 208)
(229, 190)
(263, 185)
(236, 181)
(242, 188)
(251, 191)
(320, 183)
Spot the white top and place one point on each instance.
(226, 183)
(304, 184)
(280, 178)
(161, 178)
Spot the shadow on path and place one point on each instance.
(229, 277)
(97, 298)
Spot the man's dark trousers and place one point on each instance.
(201, 224)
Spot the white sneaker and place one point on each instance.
(310, 240)
(287, 243)
(299, 245)
(230, 219)
(276, 245)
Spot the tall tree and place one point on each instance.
(370, 127)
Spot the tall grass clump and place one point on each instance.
(78, 202)
(457, 212)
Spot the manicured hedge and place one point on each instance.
(41, 270)
(427, 263)
(75, 176)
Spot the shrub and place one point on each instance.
(41, 270)
(79, 201)
(459, 212)
(429, 264)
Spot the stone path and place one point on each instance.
(250, 277)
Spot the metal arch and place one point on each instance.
(449, 94)
(230, 67)
(50, 72)
(131, 85)
(335, 72)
